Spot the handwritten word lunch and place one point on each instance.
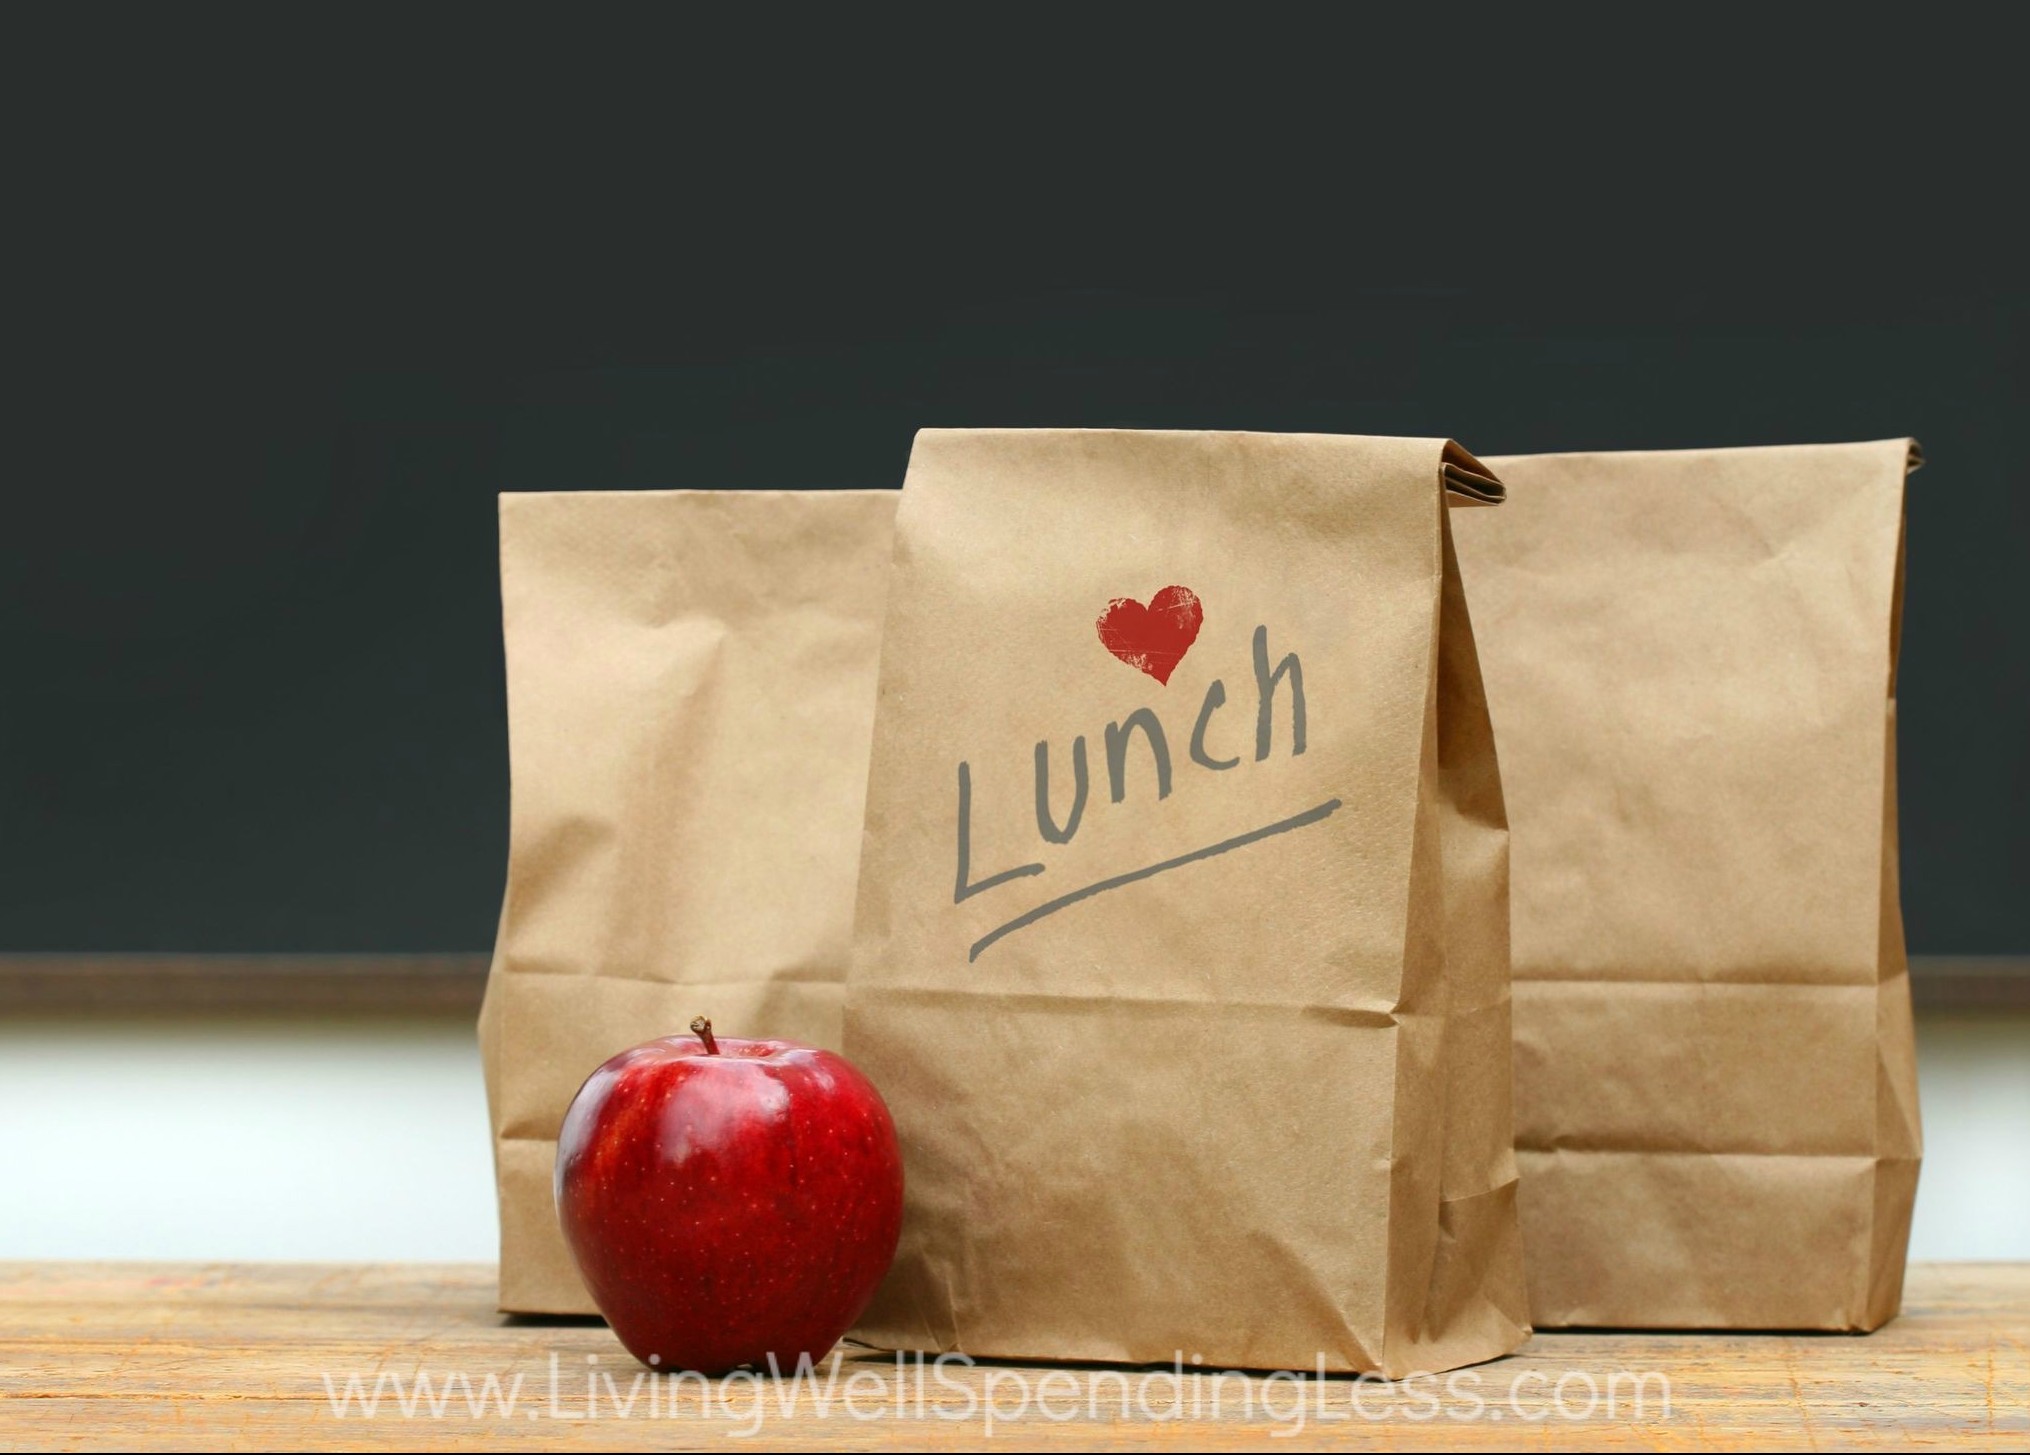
(1269, 685)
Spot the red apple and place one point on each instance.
(729, 1200)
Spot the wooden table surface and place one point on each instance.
(141, 1356)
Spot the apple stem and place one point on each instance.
(702, 1029)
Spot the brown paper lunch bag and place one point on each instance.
(690, 695)
(1181, 956)
(1691, 662)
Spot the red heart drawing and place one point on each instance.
(1155, 637)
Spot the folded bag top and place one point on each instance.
(1181, 950)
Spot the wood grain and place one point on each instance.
(159, 1357)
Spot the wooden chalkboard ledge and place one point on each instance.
(451, 984)
(448, 984)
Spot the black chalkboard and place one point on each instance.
(252, 690)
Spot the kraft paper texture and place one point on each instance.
(1691, 661)
(690, 696)
(1206, 1047)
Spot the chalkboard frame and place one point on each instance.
(451, 984)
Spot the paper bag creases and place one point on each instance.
(1181, 954)
(1691, 660)
(690, 696)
